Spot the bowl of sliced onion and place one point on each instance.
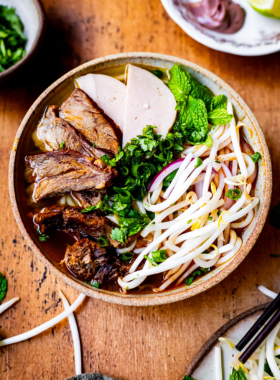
(179, 200)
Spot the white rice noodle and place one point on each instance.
(207, 178)
(127, 249)
(212, 255)
(234, 166)
(75, 335)
(156, 193)
(224, 144)
(218, 364)
(270, 352)
(245, 222)
(228, 174)
(45, 326)
(140, 207)
(226, 157)
(226, 234)
(268, 293)
(171, 246)
(4, 306)
(236, 144)
(183, 166)
(184, 254)
(174, 277)
(261, 363)
(251, 166)
(186, 274)
(232, 253)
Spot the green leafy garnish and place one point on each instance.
(210, 218)
(189, 221)
(103, 241)
(219, 116)
(180, 83)
(199, 162)
(233, 194)
(196, 273)
(12, 38)
(256, 157)
(219, 212)
(93, 145)
(61, 145)
(188, 378)
(42, 237)
(119, 235)
(208, 141)
(126, 256)
(219, 101)
(217, 162)
(151, 261)
(159, 256)
(237, 374)
(93, 283)
(3, 287)
(92, 208)
(169, 178)
(158, 73)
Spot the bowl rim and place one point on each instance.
(202, 353)
(36, 44)
(157, 299)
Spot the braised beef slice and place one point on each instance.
(59, 172)
(88, 198)
(53, 131)
(85, 115)
(72, 221)
(88, 261)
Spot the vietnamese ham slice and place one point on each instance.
(148, 102)
(108, 93)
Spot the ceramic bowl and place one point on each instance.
(202, 366)
(32, 16)
(65, 85)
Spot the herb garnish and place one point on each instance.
(92, 208)
(12, 38)
(159, 256)
(217, 162)
(237, 374)
(158, 73)
(151, 261)
(42, 237)
(188, 378)
(210, 218)
(256, 157)
(197, 107)
(198, 162)
(61, 145)
(93, 283)
(126, 256)
(3, 287)
(233, 194)
(103, 241)
(198, 272)
(219, 212)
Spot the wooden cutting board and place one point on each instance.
(128, 343)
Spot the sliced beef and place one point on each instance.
(88, 198)
(53, 131)
(84, 114)
(58, 172)
(88, 261)
(72, 221)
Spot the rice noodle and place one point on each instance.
(127, 249)
(245, 222)
(4, 306)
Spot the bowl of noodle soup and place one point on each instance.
(195, 223)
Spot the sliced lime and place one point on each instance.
(269, 8)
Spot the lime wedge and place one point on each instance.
(269, 8)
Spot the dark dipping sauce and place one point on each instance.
(222, 16)
(54, 248)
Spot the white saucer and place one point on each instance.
(259, 35)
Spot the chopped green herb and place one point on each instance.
(198, 162)
(172, 204)
(3, 287)
(189, 221)
(168, 179)
(210, 218)
(61, 145)
(208, 141)
(126, 256)
(196, 273)
(237, 374)
(219, 213)
(103, 241)
(93, 283)
(256, 157)
(42, 237)
(151, 261)
(233, 194)
(92, 208)
(12, 38)
(175, 213)
(127, 288)
(274, 218)
(217, 162)
(159, 256)
(93, 145)
(158, 73)
(188, 378)
(219, 116)
(240, 208)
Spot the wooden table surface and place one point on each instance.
(126, 342)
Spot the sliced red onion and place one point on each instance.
(198, 187)
(164, 173)
(167, 170)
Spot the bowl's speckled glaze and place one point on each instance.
(242, 112)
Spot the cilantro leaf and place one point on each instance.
(219, 116)
(180, 83)
(92, 208)
(220, 101)
(42, 237)
(3, 287)
(119, 234)
(256, 157)
(159, 256)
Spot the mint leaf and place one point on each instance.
(180, 83)
(199, 91)
(219, 101)
(208, 141)
(219, 116)
(3, 287)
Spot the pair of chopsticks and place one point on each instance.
(263, 334)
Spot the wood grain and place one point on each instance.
(125, 342)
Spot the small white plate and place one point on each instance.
(259, 35)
